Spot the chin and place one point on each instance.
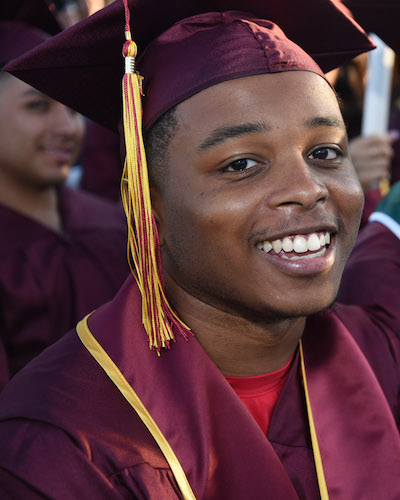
(59, 177)
(301, 305)
(52, 183)
(303, 310)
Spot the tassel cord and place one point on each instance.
(143, 243)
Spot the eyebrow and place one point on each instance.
(32, 92)
(325, 121)
(222, 134)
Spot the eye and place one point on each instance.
(38, 105)
(240, 165)
(325, 153)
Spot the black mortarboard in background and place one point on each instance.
(379, 16)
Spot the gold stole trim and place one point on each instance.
(133, 399)
(323, 489)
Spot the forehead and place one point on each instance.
(12, 84)
(279, 100)
(14, 93)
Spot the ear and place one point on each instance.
(158, 211)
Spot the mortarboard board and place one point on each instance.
(24, 24)
(185, 47)
(82, 66)
(379, 16)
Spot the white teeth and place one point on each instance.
(277, 246)
(287, 244)
(313, 242)
(266, 246)
(327, 238)
(300, 244)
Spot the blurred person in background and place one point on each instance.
(375, 157)
(100, 165)
(69, 12)
(372, 155)
(62, 252)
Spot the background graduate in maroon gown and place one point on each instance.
(375, 157)
(61, 251)
(258, 206)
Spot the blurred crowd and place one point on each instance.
(69, 12)
(63, 249)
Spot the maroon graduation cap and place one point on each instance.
(82, 67)
(379, 16)
(24, 24)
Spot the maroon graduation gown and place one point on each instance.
(67, 433)
(48, 281)
(101, 162)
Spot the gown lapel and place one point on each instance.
(357, 436)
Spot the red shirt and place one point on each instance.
(260, 393)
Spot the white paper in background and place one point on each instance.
(378, 89)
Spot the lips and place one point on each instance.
(60, 153)
(298, 246)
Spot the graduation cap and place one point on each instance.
(379, 16)
(24, 24)
(83, 68)
(184, 47)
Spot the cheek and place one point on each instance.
(346, 191)
(80, 129)
(27, 131)
(204, 229)
(350, 198)
(192, 225)
(220, 213)
(16, 141)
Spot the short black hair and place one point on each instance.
(157, 140)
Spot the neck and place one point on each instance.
(39, 204)
(237, 345)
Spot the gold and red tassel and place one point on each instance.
(158, 318)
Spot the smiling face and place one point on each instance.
(39, 137)
(258, 163)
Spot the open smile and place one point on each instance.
(59, 153)
(301, 254)
(299, 246)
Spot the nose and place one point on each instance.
(296, 182)
(66, 122)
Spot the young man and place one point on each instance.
(257, 206)
(61, 252)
